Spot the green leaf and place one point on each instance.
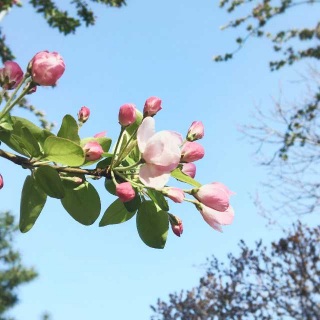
(6, 122)
(63, 151)
(104, 163)
(110, 186)
(115, 214)
(134, 204)
(69, 129)
(29, 142)
(152, 225)
(49, 181)
(33, 200)
(131, 129)
(159, 199)
(179, 175)
(14, 138)
(82, 203)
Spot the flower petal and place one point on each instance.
(163, 149)
(216, 218)
(145, 132)
(153, 176)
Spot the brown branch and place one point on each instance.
(27, 164)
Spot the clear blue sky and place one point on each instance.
(161, 48)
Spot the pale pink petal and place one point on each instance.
(100, 134)
(177, 138)
(153, 176)
(145, 132)
(224, 188)
(162, 150)
(216, 218)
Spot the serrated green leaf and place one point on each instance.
(115, 214)
(49, 181)
(69, 129)
(32, 202)
(82, 203)
(152, 225)
(179, 175)
(63, 151)
(159, 199)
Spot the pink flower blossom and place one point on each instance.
(175, 194)
(125, 192)
(1, 182)
(160, 151)
(127, 114)
(11, 75)
(47, 68)
(196, 131)
(100, 134)
(215, 218)
(152, 106)
(192, 151)
(93, 151)
(83, 114)
(176, 226)
(189, 169)
(215, 195)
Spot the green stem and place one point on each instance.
(13, 94)
(126, 146)
(128, 167)
(132, 182)
(23, 93)
(116, 148)
(197, 203)
(3, 92)
(114, 178)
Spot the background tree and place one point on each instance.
(12, 272)
(287, 134)
(281, 281)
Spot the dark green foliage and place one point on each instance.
(12, 272)
(257, 20)
(281, 281)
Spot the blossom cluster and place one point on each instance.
(139, 168)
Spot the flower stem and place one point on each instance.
(126, 146)
(197, 203)
(128, 167)
(13, 95)
(116, 148)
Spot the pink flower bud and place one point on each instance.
(47, 68)
(189, 169)
(11, 75)
(215, 218)
(215, 195)
(196, 131)
(152, 106)
(125, 192)
(127, 114)
(83, 114)
(93, 151)
(1, 182)
(192, 151)
(100, 134)
(176, 225)
(175, 194)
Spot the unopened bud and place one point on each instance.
(152, 106)
(189, 169)
(176, 225)
(175, 194)
(11, 75)
(192, 151)
(196, 131)
(127, 114)
(93, 151)
(125, 192)
(83, 114)
(1, 182)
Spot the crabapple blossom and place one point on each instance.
(100, 134)
(1, 182)
(47, 68)
(127, 114)
(189, 169)
(83, 114)
(93, 151)
(125, 192)
(11, 75)
(176, 226)
(192, 151)
(175, 194)
(152, 106)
